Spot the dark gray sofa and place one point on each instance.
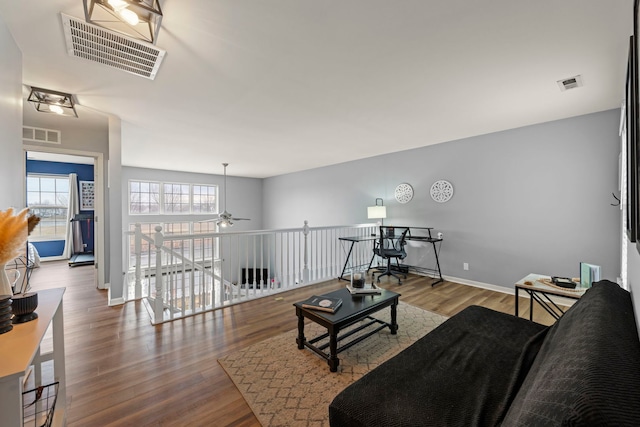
(485, 368)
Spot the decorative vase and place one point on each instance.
(5, 284)
(23, 307)
(5, 314)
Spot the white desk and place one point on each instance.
(20, 349)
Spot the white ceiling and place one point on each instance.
(278, 86)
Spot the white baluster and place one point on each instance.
(138, 253)
(305, 270)
(159, 301)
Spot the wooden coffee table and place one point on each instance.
(353, 309)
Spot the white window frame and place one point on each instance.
(149, 229)
(216, 208)
(36, 235)
(160, 201)
(162, 198)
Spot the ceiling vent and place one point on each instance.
(48, 136)
(106, 47)
(570, 83)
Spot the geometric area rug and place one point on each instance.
(285, 386)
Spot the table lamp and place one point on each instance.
(377, 211)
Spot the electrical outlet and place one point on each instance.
(465, 266)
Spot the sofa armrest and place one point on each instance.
(587, 372)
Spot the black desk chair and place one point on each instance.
(391, 245)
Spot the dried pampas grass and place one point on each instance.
(32, 221)
(13, 234)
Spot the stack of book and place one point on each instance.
(322, 303)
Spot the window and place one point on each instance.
(148, 249)
(48, 197)
(176, 198)
(203, 248)
(152, 198)
(205, 199)
(144, 197)
(204, 227)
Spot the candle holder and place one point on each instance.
(357, 280)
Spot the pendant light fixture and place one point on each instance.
(139, 19)
(52, 101)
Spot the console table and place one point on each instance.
(20, 350)
(540, 291)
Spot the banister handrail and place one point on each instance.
(251, 232)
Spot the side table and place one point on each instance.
(20, 349)
(540, 288)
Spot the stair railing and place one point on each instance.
(178, 275)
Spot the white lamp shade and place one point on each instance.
(376, 212)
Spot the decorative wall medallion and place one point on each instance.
(404, 193)
(441, 191)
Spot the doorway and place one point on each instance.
(48, 169)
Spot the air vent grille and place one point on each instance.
(106, 47)
(570, 83)
(48, 136)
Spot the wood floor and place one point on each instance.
(122, 371)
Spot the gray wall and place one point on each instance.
(113, 209)
(12, 159)
(534, 199)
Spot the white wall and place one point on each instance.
(12, 159)
(528, 200)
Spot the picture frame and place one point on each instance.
(87, 196)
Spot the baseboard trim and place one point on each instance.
(52, 258)
(116, 301)
(490, 287)
(568, 302)
(113, 301)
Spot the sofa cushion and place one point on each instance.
(587, 372)
(461, 374)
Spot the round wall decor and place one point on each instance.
(441, 191)
(404, 193)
